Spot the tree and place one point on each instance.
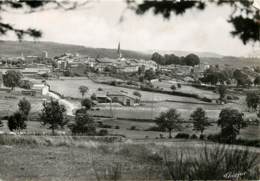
(222, 90)
(200, 120)
(252, 100)
(169, 120)
(24, 106)
(242, 78)
(93, 97)
(257, 80)
(12, 78)
(173, 87)
(149, 74)
(230, 121)
(83, 89)
(17, 121)
(87, 103)
(52, 115)
(192, 60)
(25, 84)
(138, 94)
(84, 124)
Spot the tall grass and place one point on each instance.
(215, 163)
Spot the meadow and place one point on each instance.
(73, 159)
(69, 88)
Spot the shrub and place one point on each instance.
(182, 136)
(133, 128)
(194, 136)
(103, 132)
(117, 127)
(214, 137)
(173, 87)
(155, 128)
(205, 99)
(178, 85)
(100, 89)
(202, 137)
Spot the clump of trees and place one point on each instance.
(12, 78)
(17, 121)
(230, 121)
(169, 59)
(84, 124)
(52, 115)
(252, 100)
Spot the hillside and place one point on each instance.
(14, 48)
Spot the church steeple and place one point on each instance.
(119, 50)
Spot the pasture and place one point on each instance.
(69, 87)
(141, 160)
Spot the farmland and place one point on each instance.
(152, 103)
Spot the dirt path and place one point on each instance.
(70, 107)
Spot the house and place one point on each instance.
(41, 89)
(124, 98)
(101, 97)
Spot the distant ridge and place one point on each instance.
(14, 48)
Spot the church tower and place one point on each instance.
(119, 51)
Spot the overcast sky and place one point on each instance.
(98, 26)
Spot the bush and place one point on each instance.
(173, 87)
(178, 85)
(103, 132)
(102, 125)
(155, 128)
(133, 128)
(205, 99)
(194, 136)
(202, 137)
(182, 136)
(214, 137)
(25, 84)
(117, 127)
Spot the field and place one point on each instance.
(69, 88)
(8, 103)
(112, 161)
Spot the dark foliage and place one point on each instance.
(17, 121)
(84, 124)
(12, 78)
(24, 106)
(169, 120)
(182, 136)
(86, 103)
(52, 115)
(230, 121)
(169, 59)
(252, 100)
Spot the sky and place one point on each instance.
(97, 25)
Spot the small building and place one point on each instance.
(124, 98)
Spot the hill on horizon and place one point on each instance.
(14, 48)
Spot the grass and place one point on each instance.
(124, 161)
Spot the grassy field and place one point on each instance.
(70, 87)
(121, 160)
(250, 132)
(8, 103)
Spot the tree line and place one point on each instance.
(168, 59)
